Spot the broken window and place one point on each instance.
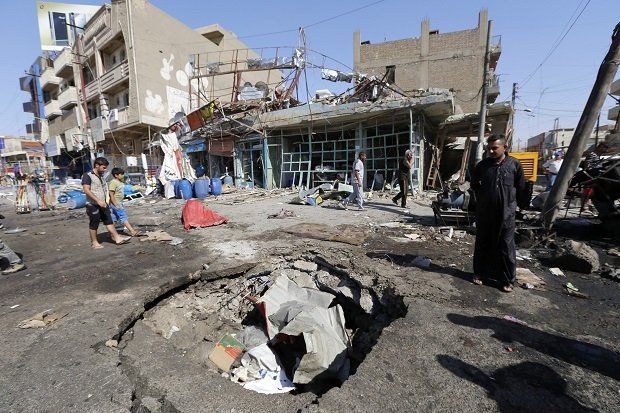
(390, 74)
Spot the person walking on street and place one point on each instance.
(496, 181)
(552, 166)
(97, 204)
(357, 179)
(404, 172)
(117, 193)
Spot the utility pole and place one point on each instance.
(510, 125)
(483, 99)
(605, 76)
(598, 125)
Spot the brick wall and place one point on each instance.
(454, 61)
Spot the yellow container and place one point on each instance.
(529, 162)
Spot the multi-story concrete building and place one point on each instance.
(452, 60)
(32, 85)
(125, 78)
(546, 143)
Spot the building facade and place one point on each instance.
(452, 60)
(125, 78)
(546, 143)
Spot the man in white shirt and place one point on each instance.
(553, 166)
(357, 179)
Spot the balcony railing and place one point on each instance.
(52, 110)
(114, 76)
(63, 65)
(91, 90)
(97, 28)
(108, 80)
(68, 98)
(49, 80)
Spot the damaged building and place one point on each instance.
(419, 94)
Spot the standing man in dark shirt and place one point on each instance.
(404, 172)
(97, 208)
(496, 180)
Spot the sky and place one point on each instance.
(559, 88)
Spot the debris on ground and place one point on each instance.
(524, 255)
(610, 272)
(557, 272)
(176, 241)
(447, 232)
(414, 237)
(576, 256)
(346, 234)
(274, 379)
(614, 251)
(173, 329)
(304, 317)
(42, 319)
(196, 215)
(111, 343)
(570, 289)
(15, 230)
(527, 278)
(314, 196)
(226, 352)
(570, 286)
(158, 235)
(284, 213)
(305, 266)
(14, 306)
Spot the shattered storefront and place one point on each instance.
(314, 144)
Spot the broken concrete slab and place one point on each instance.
(525, 276)
(576, 256)
(42, 319)
(346, 234)
(305, 266)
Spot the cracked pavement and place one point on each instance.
(448, 353)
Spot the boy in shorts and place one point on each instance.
(116, 188)
(97, 203)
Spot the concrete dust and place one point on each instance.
(234, 250)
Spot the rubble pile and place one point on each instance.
(290, 324)
(576, 256)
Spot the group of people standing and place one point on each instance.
(496, 181)
(105, 203)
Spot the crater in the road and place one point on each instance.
(316, 321)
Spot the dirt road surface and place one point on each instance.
(451, 349)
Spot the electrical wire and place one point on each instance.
(315, 23)
(557, 43)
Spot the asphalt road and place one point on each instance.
(452, 351)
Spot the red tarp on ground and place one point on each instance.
(196, 215)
